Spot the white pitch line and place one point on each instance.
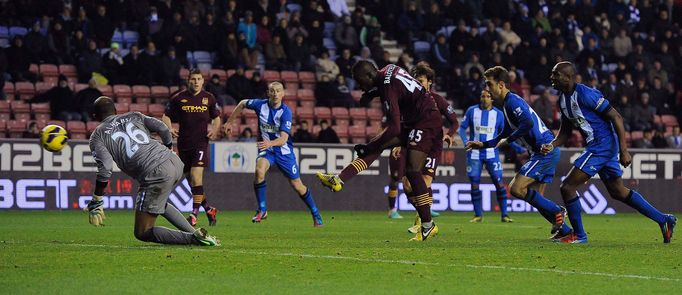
(389, 261)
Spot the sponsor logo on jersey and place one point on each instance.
(485, 129)
(183, 100)
(194, 109)
(204, 101)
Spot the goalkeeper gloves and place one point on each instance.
(361, 150)
(95, 211)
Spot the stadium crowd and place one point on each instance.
(626, 48)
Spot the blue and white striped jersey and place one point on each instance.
(271, 121)
(522, 124)
(584, 109)
(483, 125)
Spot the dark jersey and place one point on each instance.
(193, 113)
(404, 101)
(447, 111)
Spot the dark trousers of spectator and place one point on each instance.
(70, 116)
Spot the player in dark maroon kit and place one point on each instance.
(420, 132)
(193, 109)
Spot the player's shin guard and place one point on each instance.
(358, 165)
(260, 189)
(307, 198)
(420, 196)
(477, 201)
(197, 198)
(637, 201)
(502, 201)
(392, 195)
(574, 215)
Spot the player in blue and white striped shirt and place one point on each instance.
(274, 126)
(484, 122)
(605, 151)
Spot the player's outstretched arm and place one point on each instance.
(167, 120)
(617, 120)
(227, 127)
(105, 163)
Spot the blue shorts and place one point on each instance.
(606, 164)
(286, 163)
(493, 165)
(541, 167)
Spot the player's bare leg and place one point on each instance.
(632, 198)
(307, 198)
(146, 231)
(569, 193)
(260, 189)
(530, 190)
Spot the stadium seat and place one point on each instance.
(340, 115)
(316, 130)
(270, 76)
(374, 114)
(13, 31)
(160, 94)
(8, 89)
(16, 128)
(19, 106)
(322, 113)
(184, 74)
(122, 108)
(130, 38)
(356, 94)
(4, 32)
(123, 93)
(118, 37)
(227, 111)
(24, 90)
(249, 74)
(422, 49)
(48, 70)
(341, 131)
(41, 111)
(106, 90)
(293, 7)
(142, 94)
(76, 129)
(33, 68)
(372, 130)
(205, 69)
(221, 74)
(305, 95)
(359, 116)
(90, 126)
(3, 128)
(202, 57)
(42, 87)
(250, 118)
(289, 76)
(79, 86)
(669, 120)
(230, 73)
(51, 80)
(157, 110)
(69, 71)
(635, 135)
(5, 110)
(357, 134)
(307, 80)
(139, 107)
(305, 113)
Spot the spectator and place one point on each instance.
(660, 99)
(659, 140)
(264, 7)
(258, 86)
(89, 62)
(112, 64)
(248, 55)
(473, 63)
(514, 84)
(410, 23)
(102, 27)
(646, 141)
(345, 63)
(384, 60)
(238, 86)
(626, 111)
(150, 62)
(247, 136)
(35, 44)
(132, 65)
(658, 72)
(326, 67)
(441, 54)
(275, 56)
(539, 72)
(622, 44)
(86, 99)
(214, 87)
(315, 37)
(474, 86)
(300, 55)
(249, 29)
(433, 20)
(302, 134)
(58, 45)
(63, 105)
(345, 35)
(644, 114)
(296, 27)
(228, 53)
(152, 25)
(209, 38)
(507, 36)
(32, 131)
(79, 44)
(544, 107)
(181, 48)
(405, 61)
(263, 31)
(365, 54)
(326, 91)
(627, 87)
(610, 89)
(338, 8)
(170, 66)
(327, 134)
(19, 61)
(675, 139)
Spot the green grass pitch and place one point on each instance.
(355, 253)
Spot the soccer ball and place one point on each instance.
(53, 138)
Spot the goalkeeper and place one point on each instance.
(126, 140)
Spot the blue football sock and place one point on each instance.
(574, 215)
(541, 203)
(635, 200)
(260, 189)
(502, 201)
(477, 201)
(308, 200)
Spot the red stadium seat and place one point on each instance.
(33, 68)
(77, 129)
(184, 74)
(123, 93)
(636, 135)
(270, 76)
(173, 89)
(139, 107)
(51, 80)
(290, 79)
(69, 71)
(230, 73)
(359, 116)
(372, 130)
(341, 130)
(374, 114)
(5, 111)
(221, 74)
(41, 111)
(25, 90)
(227, 110)
(79, 86)
(357, 94)
(160, 93)
(340, 115)
(106, 90)
(16, 128)
(250, 117)
(305, 113)
(8, 89)
(122, 108)
(90, 126)
(305, 95)
(3, 128)
(157, 110)
(56, 122)
(323, 113)
(142, 93)
(669, 120)
(357, 134)
(48, 70)
(307, 79)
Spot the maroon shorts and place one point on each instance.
(427, 140)
(197, 157)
